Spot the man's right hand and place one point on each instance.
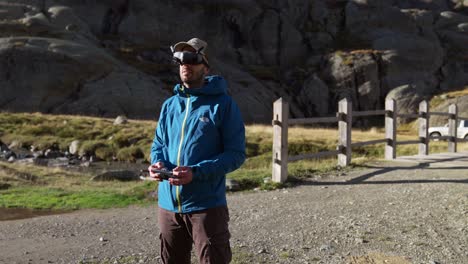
(158, 166)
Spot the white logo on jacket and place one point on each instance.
(204, 119)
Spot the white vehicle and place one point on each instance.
(462, 130)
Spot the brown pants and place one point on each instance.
(207, 229)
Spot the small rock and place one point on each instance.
(326, 248)
(71, 27)
(9, 154)
(58, 162)
(361, 241)
(262, 251)
(433, 262)
(11, 159)
(3, 147)
(74, 147)
(52, 154)
(14, 144)
(102, 239)
(232, 185)
(120, 120)
(38, 154)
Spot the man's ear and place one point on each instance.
(206, 69)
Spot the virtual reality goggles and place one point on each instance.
(188, 57)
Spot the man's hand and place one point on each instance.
(182, 175)
(158, 166)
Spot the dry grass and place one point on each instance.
(458, 93)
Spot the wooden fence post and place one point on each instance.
(280, 141)
(453, 127)
(344, 132)
(423, 121)
(390, 128)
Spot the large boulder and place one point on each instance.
(313, 97)
(432, 5)
(408, 97)
(370, 20)
(277, 40)
(409, 59)
(453, 30)
(462, 107)
(454, 74)
(354, 75)
(254, 99)
(28, 66)
(410, 52)
(91, 82)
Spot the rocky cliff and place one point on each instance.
(112, 57)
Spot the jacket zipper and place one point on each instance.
(182, 134)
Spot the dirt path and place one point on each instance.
(380, 214)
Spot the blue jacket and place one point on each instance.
(201, 128)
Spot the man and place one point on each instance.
(200, 137)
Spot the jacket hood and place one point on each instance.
(214, 85)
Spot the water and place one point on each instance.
(23, 213)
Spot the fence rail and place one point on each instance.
(314, 155)
(344, 117)
(368, 113)
(408, 115)
(303, 121)
(370, 142)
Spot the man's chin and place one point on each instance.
(186, 78)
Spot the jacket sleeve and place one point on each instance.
(159, 151)
(233, 155)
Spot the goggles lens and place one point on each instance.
(187, 57)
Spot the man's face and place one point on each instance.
(192, 76)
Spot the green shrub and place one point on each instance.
(130, 154)
(89, 147)
(251, 149)
(104, 153)
(121, 140)
(39, 130)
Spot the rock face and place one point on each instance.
(462, 106)
(110, 58)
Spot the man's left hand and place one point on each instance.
(182, 175)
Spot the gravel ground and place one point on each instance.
(380, 214)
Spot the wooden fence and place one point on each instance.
(344, 117)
